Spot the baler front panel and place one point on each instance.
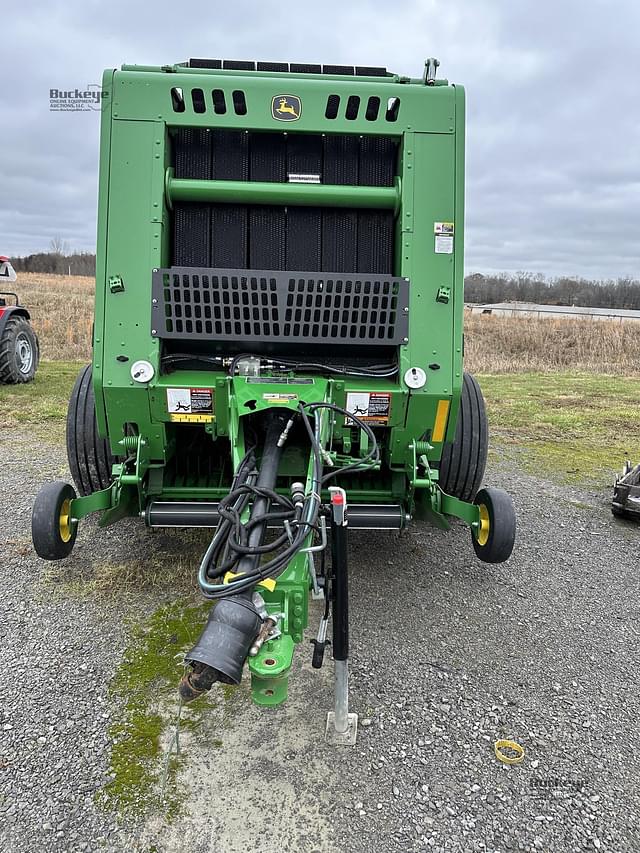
(164, 135)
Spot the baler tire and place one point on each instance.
(19, 351)
(52, 532)
(89, 456)
(463, 461)
(494, 540)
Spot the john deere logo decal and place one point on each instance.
(286, 107)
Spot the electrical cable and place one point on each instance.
(381, 371)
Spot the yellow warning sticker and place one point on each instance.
(443, 228)
(280, 398)
(190, 419)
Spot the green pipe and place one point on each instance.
(263, 192)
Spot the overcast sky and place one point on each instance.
(553, 132)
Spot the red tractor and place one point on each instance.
(19, 351)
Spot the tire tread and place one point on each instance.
(464, 460)
(9, 373)
(88, 454)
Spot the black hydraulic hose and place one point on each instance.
(303, 521)
(271, 454)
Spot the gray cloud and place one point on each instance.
(553, 175)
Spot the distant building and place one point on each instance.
(554, 312)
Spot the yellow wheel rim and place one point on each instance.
(64, 521)
(485, 525)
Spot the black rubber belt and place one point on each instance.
(229, 221)
(267, 224)
(191, 222)
(375, 227)
(304, 224)
(340, 227)
(270, 237)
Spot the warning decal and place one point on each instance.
(190, 405)
(371, 407)
(443, 237)
(280, 398)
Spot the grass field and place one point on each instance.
(41, 405)
(61, 309)
(513, 344)
(566, 391)
(573, 427)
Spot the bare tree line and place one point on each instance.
(534, 287)
(59, 260)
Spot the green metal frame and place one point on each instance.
(137, 191)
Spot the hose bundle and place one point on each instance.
(231, 546)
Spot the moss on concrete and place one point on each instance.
(145, 688)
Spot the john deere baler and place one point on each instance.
(278, 341)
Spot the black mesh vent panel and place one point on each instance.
(232, 305)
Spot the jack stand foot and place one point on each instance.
(346, 738)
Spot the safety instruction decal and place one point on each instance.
(372, 407)
(190, 405)
(280, 398)
(443, 232)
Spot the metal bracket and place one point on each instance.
(430, 69)
(316, 592)
(342, 726)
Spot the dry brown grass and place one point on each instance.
(519, 344)
(62, 313)
(61, 309)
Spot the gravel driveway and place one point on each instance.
(447, 656)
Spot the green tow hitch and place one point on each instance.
(286, 606)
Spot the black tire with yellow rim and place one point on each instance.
(52, 530)
(494, 538)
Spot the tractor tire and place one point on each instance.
(89, 456)
(52, 531)
(494, 540)
(19, 351)
(463, 461)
